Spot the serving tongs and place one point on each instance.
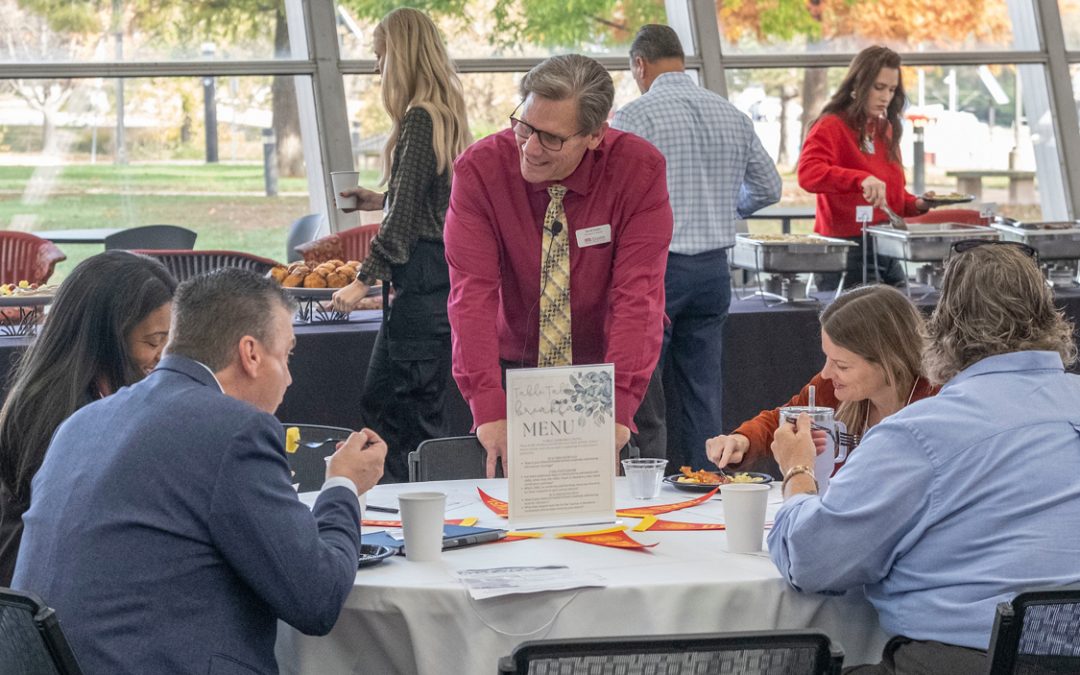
(896, 221)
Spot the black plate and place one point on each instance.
(944, 201)
(673, 481)
(373, 555)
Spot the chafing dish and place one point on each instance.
(790, 253)
(1054, 240)
(925, 243)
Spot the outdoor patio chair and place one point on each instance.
(1037, 633)
(308, 463)
(357, 240)
(302, 231)
(778, 652)
(31, 642)
(186, 264)
(26, 257)
(157, 237)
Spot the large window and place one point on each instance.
(842, 26)
(498, 29)
(968, 118)
(139, 30)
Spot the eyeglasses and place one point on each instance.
(968, 244)
(523, 130)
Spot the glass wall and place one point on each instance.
(72, 156)
(968, 118)
(140, 30)
(847, 26)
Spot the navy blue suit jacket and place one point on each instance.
(165, 532)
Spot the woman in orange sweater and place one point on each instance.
(851, 157)
(872, 339)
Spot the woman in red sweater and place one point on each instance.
(872, 339)
(851, 157)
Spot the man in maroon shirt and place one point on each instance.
(618, 223)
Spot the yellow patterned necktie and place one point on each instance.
(555, 345)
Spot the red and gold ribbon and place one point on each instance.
(615, 537)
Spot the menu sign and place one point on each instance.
(561, 445)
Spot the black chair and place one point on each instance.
(458, 458)
(161, 237)
(302, 231)
(759, 653)
(31, 642)
(308, 462)
(453, 458)
(1038, 632)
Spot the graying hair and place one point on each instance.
(654, 42)
(213, 311)
(573, 76)
(994, 300)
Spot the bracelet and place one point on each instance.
(795, 471)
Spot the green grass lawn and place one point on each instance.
(224, 203)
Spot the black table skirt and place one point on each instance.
(770, 352)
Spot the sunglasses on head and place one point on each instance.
(968, 244)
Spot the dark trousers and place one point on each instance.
(904, 656)
(698, 291)
(890, 269)
(405, 390)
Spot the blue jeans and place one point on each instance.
(698, 289)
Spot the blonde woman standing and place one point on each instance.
(409, 370)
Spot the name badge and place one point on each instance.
(592, 236)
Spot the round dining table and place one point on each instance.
(406, 617)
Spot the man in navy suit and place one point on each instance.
(163, 527)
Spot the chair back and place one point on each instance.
(1038, 632)
(185, 264)
(302, 231)
(759, 653)
(453, 458)
(157, 237)
(26, 257)
(31, 642)
(357, 241)
(307, 463)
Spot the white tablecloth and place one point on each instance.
(406, 617)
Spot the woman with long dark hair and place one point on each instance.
(106, 329)
(405, 388)
(851, 158)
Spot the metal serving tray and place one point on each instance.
(809, 253)
(1058, 240)
(925, 245)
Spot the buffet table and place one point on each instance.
(404, 617)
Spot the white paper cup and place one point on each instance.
(644, 475)
(344, 180)
(422, 522)
(744, 515)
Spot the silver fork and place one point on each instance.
(315, 444)
(894, 220)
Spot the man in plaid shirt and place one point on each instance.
(717, 173)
